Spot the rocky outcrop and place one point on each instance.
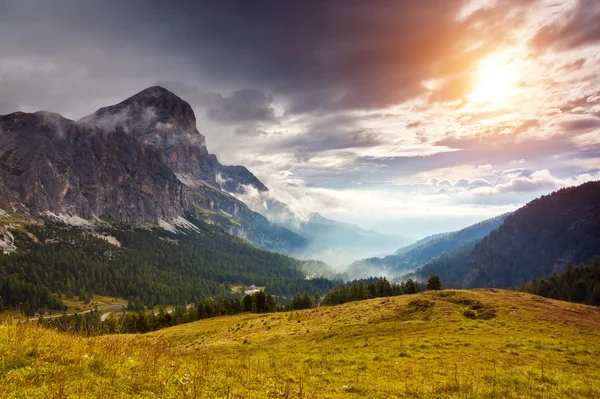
(159, 118)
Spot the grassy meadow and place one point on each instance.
(447, 344)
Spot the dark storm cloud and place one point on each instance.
(577, 28)
(317, 55)
(241, 106)
(246, 105)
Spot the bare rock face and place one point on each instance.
(137, 161)
(51, 164)
(159, 118)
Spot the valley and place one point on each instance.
(300, 199)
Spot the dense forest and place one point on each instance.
(576, 284)
(534, 241)
(152, 266)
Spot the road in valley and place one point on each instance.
(116, 306)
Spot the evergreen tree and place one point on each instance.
(434, 282)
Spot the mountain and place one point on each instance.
(142, 160)
(540, 238)
(415, 255)
(337, 242)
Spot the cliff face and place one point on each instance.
(159, 118)
(51, 164)
(137, 161)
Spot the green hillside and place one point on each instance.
(147, 266)
(448, 344)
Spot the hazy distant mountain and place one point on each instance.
(415, 255)
(339, 243)
(537, 239)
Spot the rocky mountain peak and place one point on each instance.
(153, 109)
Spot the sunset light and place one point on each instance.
(494, 81)
(301, 199)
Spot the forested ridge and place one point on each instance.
(540, 238)
(428, 249)
(152, 266)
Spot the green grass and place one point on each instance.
(413, 346)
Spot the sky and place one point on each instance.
(407, 117)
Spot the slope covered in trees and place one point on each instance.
(576, 284)
(413, 256)
(152, 267)
(540, 238)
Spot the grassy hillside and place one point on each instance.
(448, 344)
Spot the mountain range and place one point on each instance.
(142, 160)
(540, 238)
(142, 165)
(413, 256)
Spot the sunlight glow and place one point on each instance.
(494, 81)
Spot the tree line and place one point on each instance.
(359, 290)
(579, 284)
(138, 320)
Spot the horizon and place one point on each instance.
(437, 116)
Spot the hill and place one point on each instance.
(415, 255)
(534, 241)
(172, 265)
(433, 344)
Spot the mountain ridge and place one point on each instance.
(421, 252)
(540, 238)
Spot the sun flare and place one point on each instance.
(494, 81)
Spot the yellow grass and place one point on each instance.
(75, 305)
(417, 346)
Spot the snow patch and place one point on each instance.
(186, 224)
(186, 179)
(166, 226)
(70, 219)
(7, 242)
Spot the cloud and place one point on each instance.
(577, 124)
(247, 105)
(575, 28)
(353, 55)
